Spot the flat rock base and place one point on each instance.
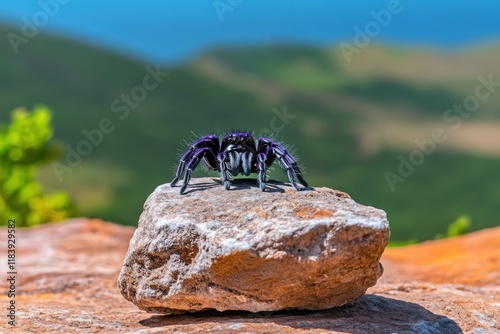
(69, 272)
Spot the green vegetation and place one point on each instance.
(24, 147)
(332, 106)
(459, 227)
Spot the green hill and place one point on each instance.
(350, 125)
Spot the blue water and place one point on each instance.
(177, 30)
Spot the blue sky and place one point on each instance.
(175, 30)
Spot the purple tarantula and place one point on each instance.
(238, 153)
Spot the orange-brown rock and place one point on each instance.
(313, 250)
(472, 259)
(67, 284)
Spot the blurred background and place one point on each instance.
(395, 102)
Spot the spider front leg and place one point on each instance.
(192, 165)
(289, 163)
(295, 169)
(182, 165)
(210, 141)
(274, 150)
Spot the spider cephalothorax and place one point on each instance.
(237, 153)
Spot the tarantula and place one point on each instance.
(238, 153)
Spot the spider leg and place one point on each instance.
(289, 163)
(262, 168)
(211, 141)
(275, 150)
(222, 159)
(182, 165)
(291, 160)
(192, 165)
(289, 171)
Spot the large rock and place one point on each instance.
(250, 250)
(68, 271)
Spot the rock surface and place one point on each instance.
(68, 272)
(472, 259)
(250, 250)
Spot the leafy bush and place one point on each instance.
(24, 148)
(460, 226)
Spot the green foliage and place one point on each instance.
(24, 147)
(460, 226)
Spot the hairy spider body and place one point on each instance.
(237, 154)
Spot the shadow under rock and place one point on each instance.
(366, 315)
(243, 183)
